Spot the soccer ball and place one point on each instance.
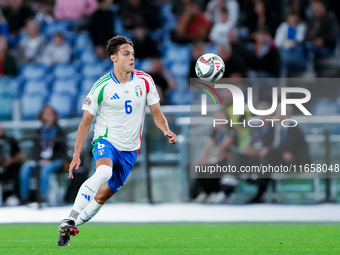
(209, 67)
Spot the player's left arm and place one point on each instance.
(161, 122)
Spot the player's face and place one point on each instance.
(125, 58)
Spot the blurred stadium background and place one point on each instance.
(161, 174)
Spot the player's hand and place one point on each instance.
(172, 136)
(74, 165)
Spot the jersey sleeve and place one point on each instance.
(152, 96)
(90, 104)
(93, 98)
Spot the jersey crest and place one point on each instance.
(138, 89)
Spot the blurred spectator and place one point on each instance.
(74, 9)
(49, 154)
(289, 38)
(16, 14)
(102, 27)
(281, 146)
(197, 50)
(335, 7)
(135, 12)
(290, 33)
(32, 45)
(259, 15)
(162, 77)
(3, 25)
(177, 7)
(228, 106)
(239, 47)
(8, 64)
(11, 159)
(57, 51)
(321, 32)
(220, 29)
(44, 14)
(289, 144)
(216, 7)
(234, 65)
(259, 135)
(261, 138)
(144, 45)
(215, 151)
(265, 58)
(299, 6)
(192, 26)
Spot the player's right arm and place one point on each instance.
(83, 131)
(90, 107)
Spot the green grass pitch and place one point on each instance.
(176, 238)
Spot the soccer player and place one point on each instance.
(118, 99)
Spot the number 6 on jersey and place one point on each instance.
(128, 108)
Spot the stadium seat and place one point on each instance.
(179, 70)
(144, 65)
(176, 53)
(83, 42)
(168, 18)
(14, 84)
(325, 107)
(88, 56)
(64, 71)
(58, 26)
(182, 82)
(119, 29)
(33, 71)
(31, 105)
(36, 87)
(6, 108)
(68, 87)
(94, 71)
(211, 48)
(179, 97)
(62, 103)
(87, 84)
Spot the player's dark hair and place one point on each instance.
(113, 45)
